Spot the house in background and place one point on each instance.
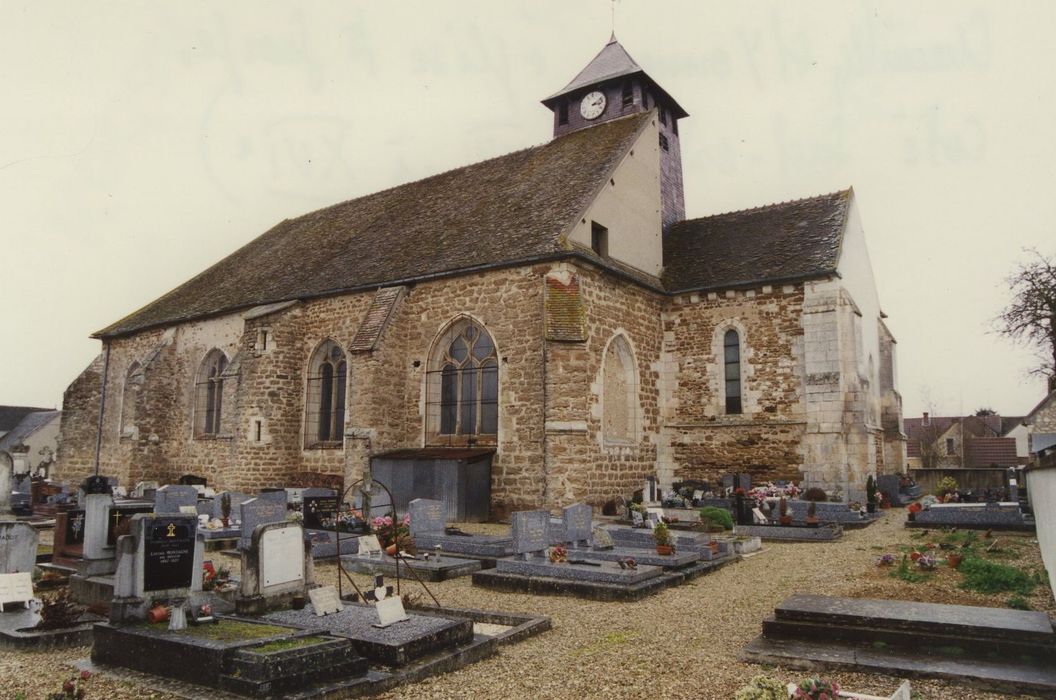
(1037, 430)
(971, 442)
(31, 444)
(11, 416)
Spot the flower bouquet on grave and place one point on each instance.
(926, 562)
(394, 535)
(816, 689)
(885, 560)
(208, 576)
(557, 554)
(73, 688)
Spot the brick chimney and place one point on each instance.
(926, 421)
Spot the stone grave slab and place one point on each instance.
(18, 547)
(791, 533)
(982, 516)
(15, 588)
(433, 569)
(605, 572)
(325, 600)
(169, 498)
(275, 567)
(484, 547)
(641, 557)
(396, 645)
(324, 543)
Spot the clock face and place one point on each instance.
(592, 105)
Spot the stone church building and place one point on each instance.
(552, 308)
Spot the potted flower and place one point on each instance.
(816, 689)
(225, 509)
(782, 508)
(662, 537)
(954, 560)
(870, 494)
(557, 555)
(886, 560)
(926, 562)
(158, 612)
(812, 514)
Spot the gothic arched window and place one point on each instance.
(325, 403)
(463, 386)
(731, 346)
(619, 398)
(209, 393)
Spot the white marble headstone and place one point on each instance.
(390, 611)
(325, 600)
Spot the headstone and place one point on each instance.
(168, 553)
(140, 489)
(325, 600)
(637, 519)
(577, 520)
(281, 557)
(16, 588)
(96, 524)
(728, 481)
(427, 516)
(319, 508)
(531, 531)
(237, 499)
(390, 611)
(602, 539)
(697, 495)
(74, 528)
(274, 496)
(18, 547)
(168, 499)
(649, 491)
(276, 566)
(369, 546)
(1013, 490)
(190, 510)
(117, 516)
(256, 511)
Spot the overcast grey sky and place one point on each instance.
(142, 142)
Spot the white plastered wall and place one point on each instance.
(629, 207)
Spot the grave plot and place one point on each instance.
(971, 516)
(429, 533)
(428, 566)
(792, 533)
(898, 489)
(714, 552)
(1009, 651)
(540, 568)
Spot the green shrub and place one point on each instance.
(716, 516)
(988, 577)
(1018, 602)
(945, 485)
(763, 688)
(815, 494)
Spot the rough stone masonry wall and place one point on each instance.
(74, 458)
(700, 440)
(582, 464)
(508, 303)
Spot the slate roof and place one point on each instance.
(789, 241)
(11, 416)
(30, 423)
(508, 210)
(981, 452)
(612, 62)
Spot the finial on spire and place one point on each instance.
(612, 39)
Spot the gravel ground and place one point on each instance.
(681, 643)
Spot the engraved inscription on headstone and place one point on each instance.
(577, 518)
(427, 516)
(637, 518)
(18, 547)
(16, 588)
(168, 553)
(390, 611)
(325, 600)
(530, 530)
(319, 512)
(369, 546)
(281, 556)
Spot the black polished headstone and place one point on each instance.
(319, 511)
(168, 554)
(74, 534)
(119, 515)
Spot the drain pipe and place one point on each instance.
(102, 405)
(546, 462)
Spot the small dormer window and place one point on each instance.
(628, 93)
(599, 239)
(562, 113)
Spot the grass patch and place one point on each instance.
(904, 572)
(610, 640)
(284, 644)
(985, 576)
(235, 631)
(1018, 602)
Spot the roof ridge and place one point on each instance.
(772, 205)
(442, 173)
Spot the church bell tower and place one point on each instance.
(611, 86)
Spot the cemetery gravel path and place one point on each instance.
(681, 643)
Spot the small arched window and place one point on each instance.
(731, 345)
(325, 403)
(463, 386)
(209, 393)
(129, 397)
(619, 400)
